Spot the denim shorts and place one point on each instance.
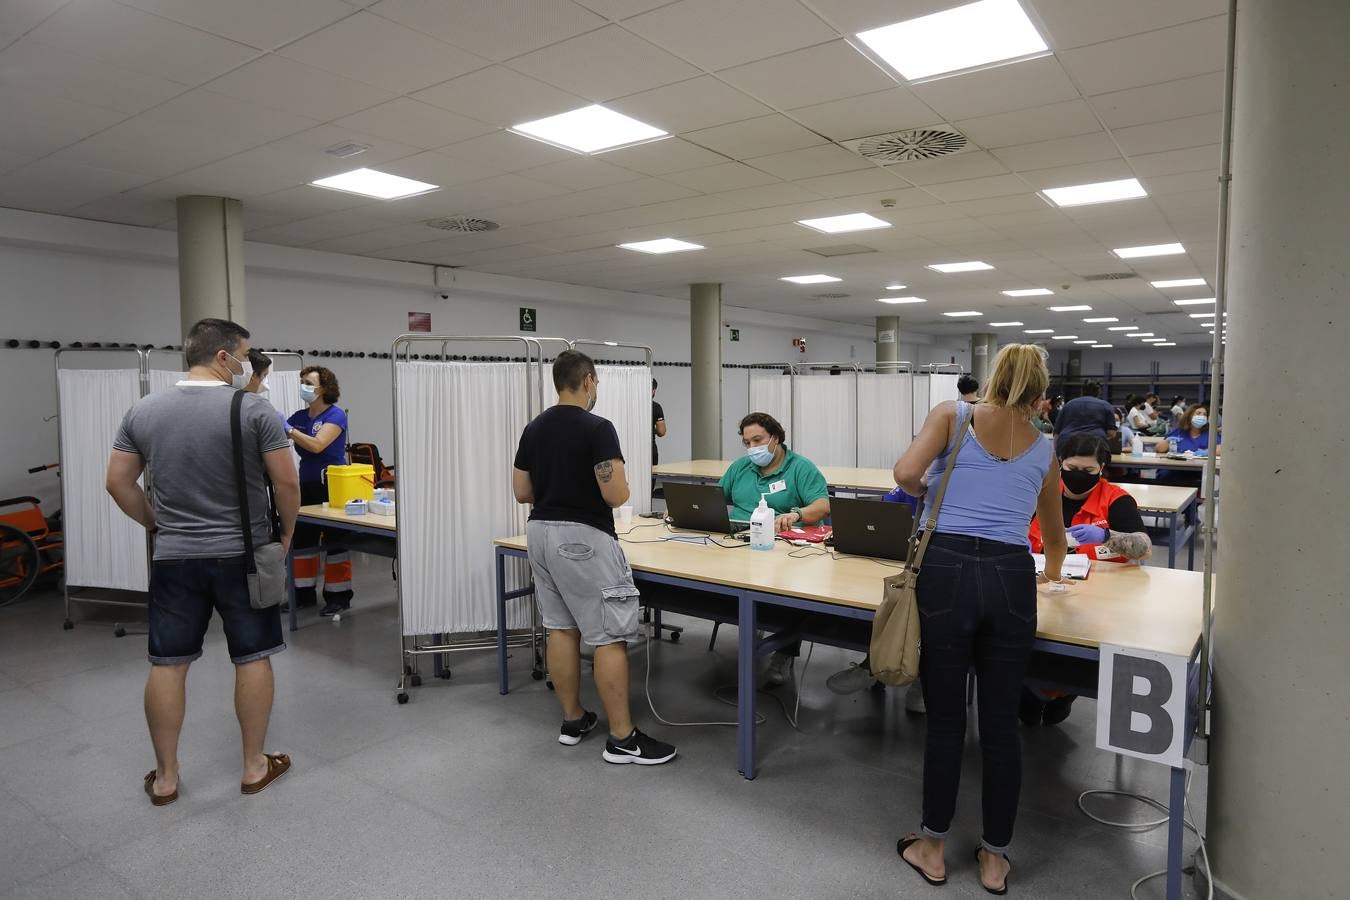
(183, 592)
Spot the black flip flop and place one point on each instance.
(1004, 889)
(901, 846)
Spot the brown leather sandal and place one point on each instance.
(156, 799)
(278, 764)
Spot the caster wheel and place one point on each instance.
(550, 686)
(67, 625)
(402, 699)
(674, 637)
(444, 675)
(538, 676)
(415, 681)
(337, 617)
(119, 631)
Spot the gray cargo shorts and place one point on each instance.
(582, 582)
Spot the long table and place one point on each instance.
(1172, 503)
(1156, 461)
(379, 533)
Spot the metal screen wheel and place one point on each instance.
(402, 698)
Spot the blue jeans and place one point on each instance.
(977, 607)
(183, 592)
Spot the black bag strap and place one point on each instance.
(915, 559)
(240, 484)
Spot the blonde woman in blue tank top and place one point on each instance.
(977, 597)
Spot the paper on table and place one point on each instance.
(1076, 565)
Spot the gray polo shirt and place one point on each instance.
(183, 434)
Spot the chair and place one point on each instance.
(370, 455)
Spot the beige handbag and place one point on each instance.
(894, 650)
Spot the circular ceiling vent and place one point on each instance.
(915, 144)
(462, 224)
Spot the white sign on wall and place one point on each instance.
(1141, 704)
(886, 336)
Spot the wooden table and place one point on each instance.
(1170, 502)
(837, 478)
(1154, 461)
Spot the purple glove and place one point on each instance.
(1088, 534)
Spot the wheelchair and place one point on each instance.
(32, 547)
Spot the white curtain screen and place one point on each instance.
(104, 548)
(827, 416)
(458, 427)
(884, 418)
(771, 392)
(626, 400)
(160, 379)
(284, 390)
(942, 387)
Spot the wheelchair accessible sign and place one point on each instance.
(529, 321)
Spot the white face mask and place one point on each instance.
(264, 389)
(240, 381)
(308, 392)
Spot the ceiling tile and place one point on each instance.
(714, 34)
(755, 137)
(19, 16)
(1182, 182)
(1178, 134)
(414, 123)
(852, 16)
(262, 170)
(1035, 82)
(1027, 126)
(497, 29)
(128, 209)
(604, 64)
(49, 123)
(507, 151)
(794, 164)
(817, 74)
(769, 195)
(159, 149)
(725, 177)
(439, 169)
(51, 71)
(977, 188)
(972, 164)
(1083, 173)
(1172, 162)
(1074, 23)
(621, 9)
(203, 111)
(883, 182)
(664, 157)
(264, 24)
(867, 114)
(1062, 152)
(302, 203)
(382, 53)
(281, 83)
(1150, 58)
(310, 145)
(500, 96)
(581, 173)
(1159, 102)
(140, 42)
(56, 186)
(690, 105)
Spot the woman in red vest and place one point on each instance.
(1104, 520)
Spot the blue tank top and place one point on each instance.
(989, 497)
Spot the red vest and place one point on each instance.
(1093, 512)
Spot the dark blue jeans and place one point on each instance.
(183, 592)
(977, 607)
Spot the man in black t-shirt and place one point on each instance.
(570, 467)
(658, 423)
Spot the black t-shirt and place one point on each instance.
(658, 414)
(1122, 515)
(560, 449)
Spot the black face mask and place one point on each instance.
(1079, 482)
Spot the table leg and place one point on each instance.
(503, 685)
(745, 687)
(1190, 543)
(1173, 521)
(1176, 830)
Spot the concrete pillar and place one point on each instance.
(1278, 791)
(888, 342)
(210, 260)
(983, 348)
(705, 357)
(1074, 376)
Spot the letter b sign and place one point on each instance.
(1141, 704)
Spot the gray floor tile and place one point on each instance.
(28, 715)
(85, 878)
(29, 846)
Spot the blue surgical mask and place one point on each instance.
(1200, 421)
(308, 392)
(761, 455)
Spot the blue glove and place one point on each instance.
(1088, 534)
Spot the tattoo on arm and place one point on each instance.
(1131, 545)
(605, 471)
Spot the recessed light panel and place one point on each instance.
(1202, 315)
(1141, 334)
(809, 279)
(1178, 282)
(1153, 340)
(1165, 344)
(1101, 192)
(895, 287)
(1085, 342)
(1069, 308)
(371, 183)
(1202, 301)
(849, 222)
(661, 245)
(1102, 346)
(949, 268)
(1123, 328)
(1149, 250)
(1101, 320)
(1028, 292)
(1063, 337)
(590, 129)
(964, 37)
(894, 301)
(1003, 324)
(966, 314)
(1039, 331)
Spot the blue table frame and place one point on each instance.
(334, 525)
(1179, 533)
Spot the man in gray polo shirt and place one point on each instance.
(183, 436)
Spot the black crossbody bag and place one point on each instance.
(264, 565)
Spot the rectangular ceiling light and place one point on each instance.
(1064, 337)
(1085, 342)
(1102, 346)
(1149, 250)
(1101, 319)
(1153, 340)
(1101, 192)
(1202, 301)
(809, 279)
(948, 268)
(964, 37)
(895, 287)
(848, 222)
(1141, 334)
(1202, 315)
(1028, 292)
(963, 315)
(1039, 331)
(1069, 308)
(1164, 344)
(1003, 324)
(1178, 282)
(1123, 328)
(590, 129)
(370, 183)
(894, 301)
(661, 245)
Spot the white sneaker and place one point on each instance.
(914, 699)
(778, 671)
(851, 680)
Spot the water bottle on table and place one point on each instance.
(1172, 446)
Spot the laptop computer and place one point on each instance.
(698, 507)
(871, 528)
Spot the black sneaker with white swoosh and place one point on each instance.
(573, 731)
(638, 749)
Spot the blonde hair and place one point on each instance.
(1018, 378)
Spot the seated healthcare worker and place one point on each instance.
(790, 484)
(320, 435)
(1191, 433)
(1104, 519)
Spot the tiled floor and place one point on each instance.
(465, 793)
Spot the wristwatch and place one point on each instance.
(798, 511)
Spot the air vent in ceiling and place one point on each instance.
(1110, 276)
(840, 250)
(345, 151)
(912, 145)
(462, 224)
(830, 296)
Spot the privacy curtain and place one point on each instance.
(458, 427)
(771, 392)
(827, 418)
(104, 548)
(884, 418)
(626, 400)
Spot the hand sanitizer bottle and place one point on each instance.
(1137, 446)
(761, 527)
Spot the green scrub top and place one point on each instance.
(796, 482)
